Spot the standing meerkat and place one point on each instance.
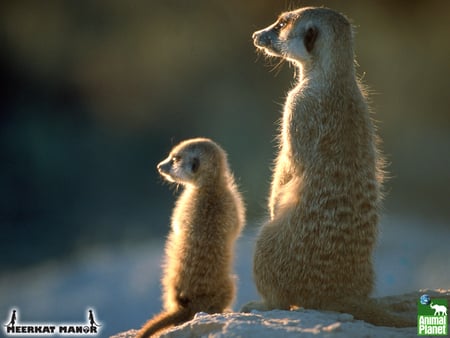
(207, 219)
(316, 249)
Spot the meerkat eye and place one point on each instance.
(195, 164)
(175, 159)
(282, 22)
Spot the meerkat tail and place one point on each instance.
(164, 320)
(371, 312)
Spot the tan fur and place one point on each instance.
(316, 249)
(207, 219)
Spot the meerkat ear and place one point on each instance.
(195, 164)
(310, 38)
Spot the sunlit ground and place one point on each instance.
(122, 284)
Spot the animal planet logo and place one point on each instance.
(13, 328)
(432, 319)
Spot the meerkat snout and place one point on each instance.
(261, 39)
(268, 39)
(164, 166)
(265, 38)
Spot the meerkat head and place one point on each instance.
(195, 161)
(307, 35)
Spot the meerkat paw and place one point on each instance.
(255, 305)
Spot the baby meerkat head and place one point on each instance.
(195, 161)
(305, 35)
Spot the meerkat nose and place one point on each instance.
(164, 167)
(160, 167)
(262, 38)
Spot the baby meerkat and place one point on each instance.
(316, 249)
(207, 219)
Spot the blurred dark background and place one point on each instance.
(94, 95)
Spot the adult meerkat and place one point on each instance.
(207, 219)
(316, 249)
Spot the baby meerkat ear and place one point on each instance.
(310, 38)
(195, 164)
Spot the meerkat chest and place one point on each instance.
(182, 213)
(301, 119)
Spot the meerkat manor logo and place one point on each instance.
(432, 319)
(14, 328)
